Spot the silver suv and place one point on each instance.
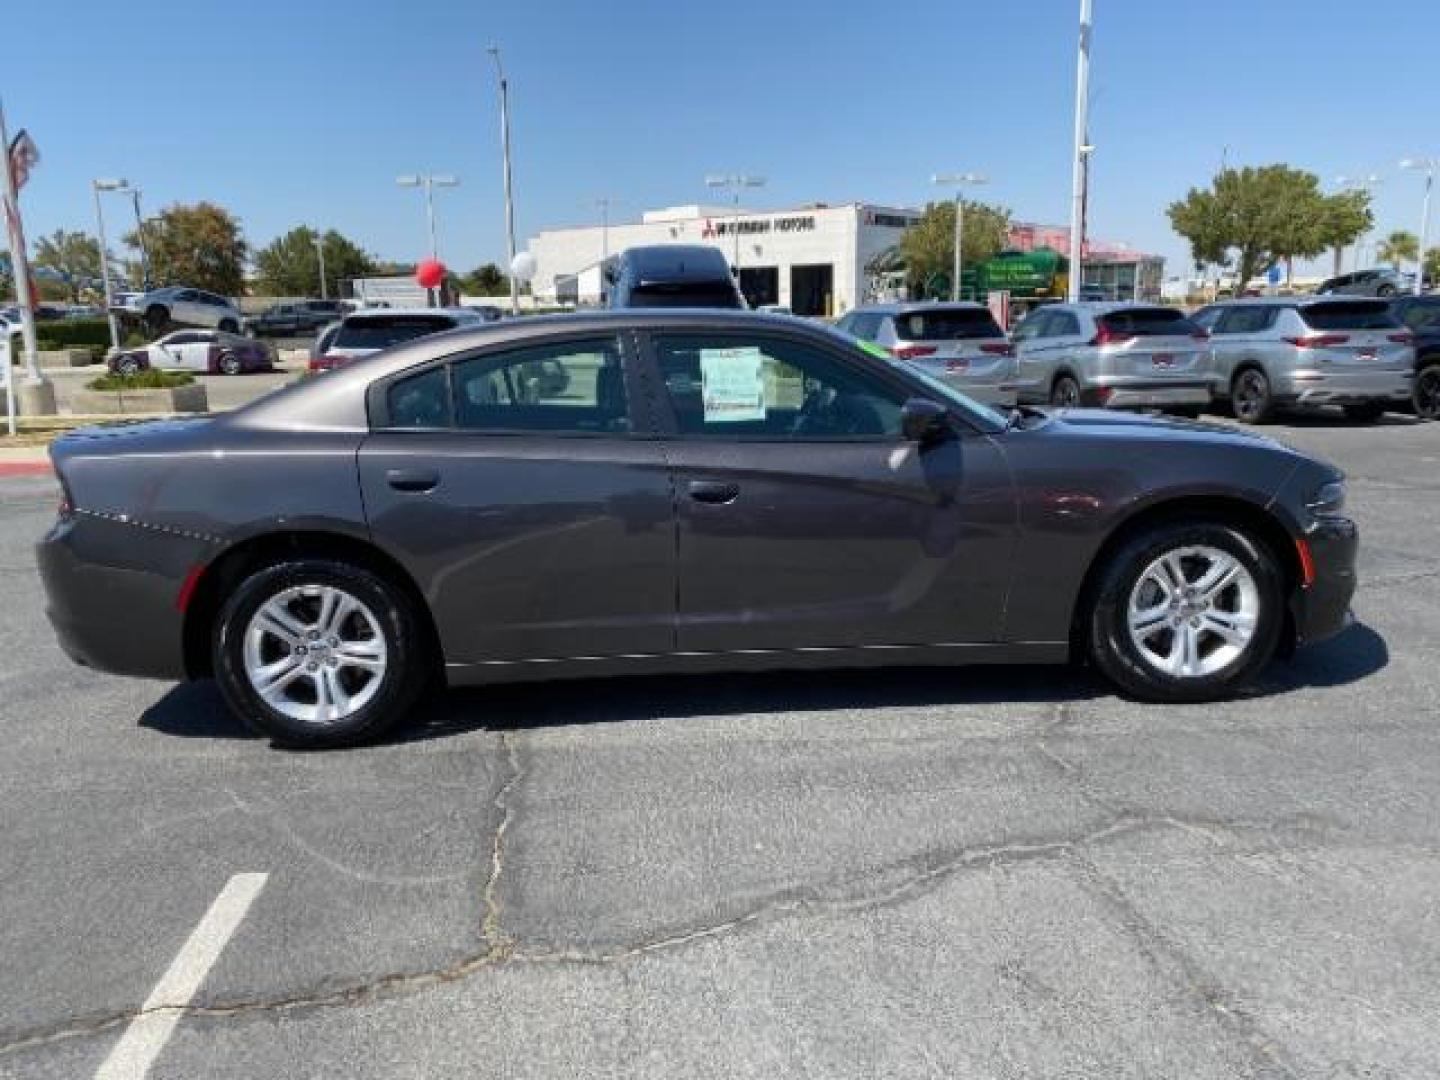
(176, 305)
(1114, 356)
(1306, 351)
(959, 343)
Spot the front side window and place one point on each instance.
(746, 385)
(572, 387)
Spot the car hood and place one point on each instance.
(1109, 424)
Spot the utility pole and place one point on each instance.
(140, 240)
(1428, 164)
(494, 52)
(98, 186)
(320, 254)
(733, 182)
(1078, 179)
(957, 180)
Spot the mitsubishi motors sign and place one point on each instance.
(797, 223)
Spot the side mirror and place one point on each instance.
(923, 421)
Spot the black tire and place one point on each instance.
(157, 318)
(230, 364)
(228, 326)
(1250, 399)
(1426, 397)
(401, 683)
(1109, 639)
(1365, 412)
(127, 365)
(1065, 392)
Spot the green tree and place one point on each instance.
(1432, 264)
(1347, 217)
(1399, 247)
(200, 246)
(73, 255)
(928, 246)
(290, 266)
(1262, 214)
(485, 280)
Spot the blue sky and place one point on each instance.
(304, 112)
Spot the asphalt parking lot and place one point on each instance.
(991, 873)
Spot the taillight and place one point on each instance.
(1318, 341)
(998, 350)
(1107, 336)
(1403, 338)
(910, 352)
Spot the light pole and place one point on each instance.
(605, 202)
(98, 186)
(957, 181)
(734, 182)
(320, 254)
(494, 51)
(429, 182)
(1367, 183)
(140, 240)
(1079, 178)
(1428, 164)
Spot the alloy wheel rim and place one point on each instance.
(1067, 393)
(1250, 393)
(315, 653)
(1193, 611)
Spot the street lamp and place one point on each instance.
(429, 183)
(1367, 183)
(604, 202)
(98, 186)
(957, 181)
(494, 51)
(140, 240)
(734, 182)
(1079, 174)
(1428, 164)
(319, 242)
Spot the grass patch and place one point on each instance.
(149, 379)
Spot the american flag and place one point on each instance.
(24, 156)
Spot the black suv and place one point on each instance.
(1422, 315)
(672, 275)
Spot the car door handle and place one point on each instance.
(717, 492)
(412, 479)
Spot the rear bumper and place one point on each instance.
(111, 590)
(1313, 387)
(1135, 394)
(1323, 609)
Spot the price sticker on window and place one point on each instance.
(732, 384)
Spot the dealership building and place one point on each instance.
(812, 259)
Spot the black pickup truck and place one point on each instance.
(300, 317)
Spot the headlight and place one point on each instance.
(1328, 500)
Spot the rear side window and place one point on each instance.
(716, 294)
(1148, 322)
(953, 324)
(1422, 315)
(421, 401)
(1246, 320)
(384, 331)
(574, 387)
(1349, 315)
(866, 326)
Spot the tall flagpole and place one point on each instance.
(19, 261)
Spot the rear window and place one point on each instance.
(1149, 322)
(1349, 315)
(718, 294)
(955, 324)
(382, 332)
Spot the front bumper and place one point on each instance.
(1313, 387)
(111, 589)
(1322, 609)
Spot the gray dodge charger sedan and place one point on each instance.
(677, 491)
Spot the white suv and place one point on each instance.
(179, 306)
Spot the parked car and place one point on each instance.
(1114, 356)
(175, 305)
(329, 550)
(960, 343)
(672, 275)
(208, 351)
(1380, 281)
(1304, 351)
(369, 330)
(1421, 315)
(293, 318)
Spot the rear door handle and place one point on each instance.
(412, 479)
(716, 492)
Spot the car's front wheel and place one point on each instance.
(230, 364)
(1187, 611)
(317, 653)
(1065, 393)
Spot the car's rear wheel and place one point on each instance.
(1065, 393)
(156, 318)
(1427, 393)
(230, 364)
(316, 653)
(1187, 611)
(1250, 398)
(1365, 412)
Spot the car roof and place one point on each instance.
(676, 262)
(1294, 301)
(1103, 307)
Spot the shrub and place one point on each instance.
(73, 333)
(149, 379)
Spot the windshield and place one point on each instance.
(982, 416)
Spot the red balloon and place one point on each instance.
(430, 273)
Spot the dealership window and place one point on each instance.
(743, 385)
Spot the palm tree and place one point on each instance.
(1399, 247)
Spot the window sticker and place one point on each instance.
(732, 384)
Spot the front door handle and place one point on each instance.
(412, 479)
(718, 492)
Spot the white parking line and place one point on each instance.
(147, 1034)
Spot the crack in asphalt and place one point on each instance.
(926, 872)
(499, 940)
